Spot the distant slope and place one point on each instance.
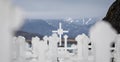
(37, 26)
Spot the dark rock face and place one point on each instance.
(113, 15)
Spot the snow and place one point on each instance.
(69, 19)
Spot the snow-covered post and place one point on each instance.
(41, 51)
(15, 48)
(92, 52)
(85, 41)
(53, 50)
(117, 49)
(79, 47)
(65, 42)
(8, 23)
(45, 38)
(82, 43)
(102, 35)
(35, 41)
(22, 48)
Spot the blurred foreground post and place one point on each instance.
(10, 19)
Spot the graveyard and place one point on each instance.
(56, 48)
(102, 44)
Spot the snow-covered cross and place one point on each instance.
(60, 32)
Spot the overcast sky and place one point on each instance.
(52, 9)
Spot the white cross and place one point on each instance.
(60, 32)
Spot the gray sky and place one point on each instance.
(52, 9)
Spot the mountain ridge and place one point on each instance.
(45, 27)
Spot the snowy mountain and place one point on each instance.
(37, 26)
(45, 27)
